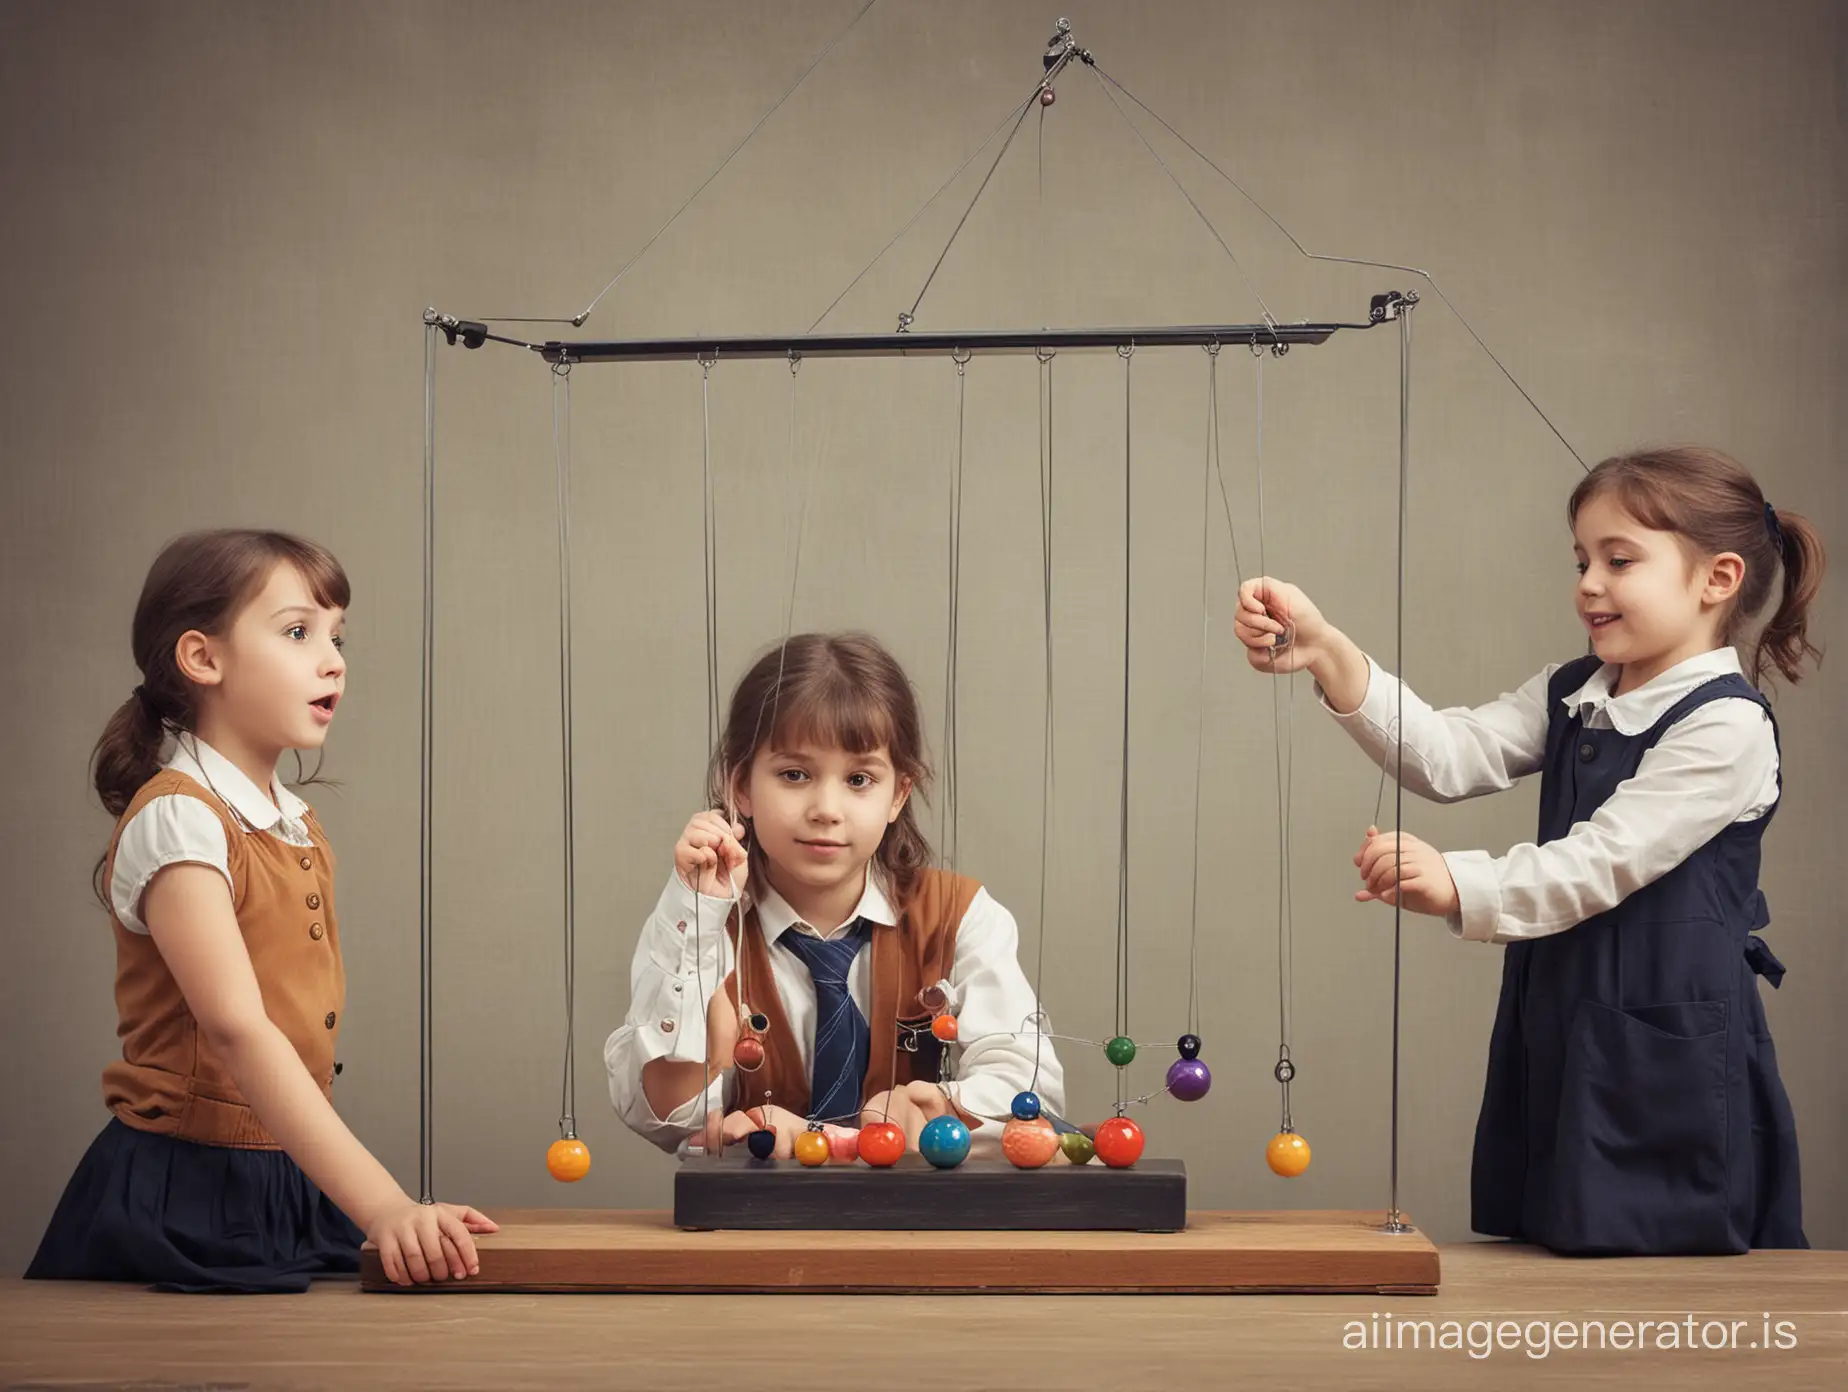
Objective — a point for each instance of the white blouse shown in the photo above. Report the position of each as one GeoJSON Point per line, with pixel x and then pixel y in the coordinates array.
{"type": "Point", "coordinates": [1717, 766]}
{"type": "Point", "coordinates": [684, 955]}
{"type": "Point", "coordinates": [175, 829]}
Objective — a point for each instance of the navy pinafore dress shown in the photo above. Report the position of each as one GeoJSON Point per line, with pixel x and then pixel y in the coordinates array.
{"type": "Point", "coordinates": [1633, 1104]}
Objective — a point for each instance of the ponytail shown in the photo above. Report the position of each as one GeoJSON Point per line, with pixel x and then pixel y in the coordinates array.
{"type": "Point", "coordinates": [1784, 642]}
{"type": "Point", "coordinates": [128, 753]}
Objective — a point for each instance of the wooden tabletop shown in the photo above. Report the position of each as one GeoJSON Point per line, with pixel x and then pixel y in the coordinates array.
{"type": "Point", "coordinates": [61, 1333]}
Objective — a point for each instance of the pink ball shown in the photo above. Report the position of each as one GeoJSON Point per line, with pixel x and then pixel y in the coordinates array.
{"type": "Point", "coordinates": [843, 1145]}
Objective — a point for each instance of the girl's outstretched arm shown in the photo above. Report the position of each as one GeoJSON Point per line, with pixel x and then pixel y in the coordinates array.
{"type": "Point", "coordinates": [188, 911]}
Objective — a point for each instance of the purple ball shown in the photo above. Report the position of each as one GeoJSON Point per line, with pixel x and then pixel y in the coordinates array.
{"type": "Point", "coordinates": [1188, 1079]}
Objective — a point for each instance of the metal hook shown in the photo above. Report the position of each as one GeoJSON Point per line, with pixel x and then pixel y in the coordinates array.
{"type": "Point", "coordinates": [1126, 351]}
{"type": "Point", "coordinates": [562, 366]}
{"type": "Point", "coordinates": [1045, 355]}
{"type": "Point", "coordinates": [795, 362]}
{"type": "Point", "coordinates": [904, 320]}
{"type": "Point", "coordinates": [1212, 349]}
{"type": "Point", "coordinates": [960, 356]}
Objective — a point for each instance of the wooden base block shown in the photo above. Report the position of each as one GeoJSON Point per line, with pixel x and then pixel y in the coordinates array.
{"type": "Point", "coordinates": [737, 1192]}
{"type": "Point", "coordinates": [564, 1250]}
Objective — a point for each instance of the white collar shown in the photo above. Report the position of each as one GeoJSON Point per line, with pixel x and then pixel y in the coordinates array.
{"type": "Point", "coordinates": [775, 917]}
{"type": "Point", "coordinates": [196, 759]}
{"type": "Point", "coordinates": [1637, 711]}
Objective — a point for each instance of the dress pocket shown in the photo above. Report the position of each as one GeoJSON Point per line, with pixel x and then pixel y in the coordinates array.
{"type": "Point", "coordinates": [1640, 1160]}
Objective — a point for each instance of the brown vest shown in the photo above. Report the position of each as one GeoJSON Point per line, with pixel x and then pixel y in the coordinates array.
{"type": "Point", "coordinates": [908, 959]}
{"type": "Point", "coordinates": [168, 1079]}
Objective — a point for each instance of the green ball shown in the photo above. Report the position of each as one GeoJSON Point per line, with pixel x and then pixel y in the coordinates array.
{"type": "Point", "coordinates": [1121, 1051]}
{"type": "Point", "coordinates": [1077, 1147]}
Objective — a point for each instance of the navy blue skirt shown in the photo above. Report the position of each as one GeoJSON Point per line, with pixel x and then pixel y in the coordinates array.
{"type": "Point", "coordinates": [181, 1216]}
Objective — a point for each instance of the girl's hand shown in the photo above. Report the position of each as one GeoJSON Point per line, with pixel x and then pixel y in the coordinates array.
{"type": "Point", "coordinates": [428, 1242]}
{"type": "Point", "coordinates": [909, 1105]}
{"type": "Point", "coordinates": [1281, 628]}
{"type": "Point", "coordinates": [735, 1127]}
{"type": "Point", "coordinates": [709, 851]}
{"type": "Point", "coordinates": [1397, 867]}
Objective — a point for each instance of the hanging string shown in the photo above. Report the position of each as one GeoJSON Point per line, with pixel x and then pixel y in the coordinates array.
{"type": "Point", "coordinates": [1394, 1222]}
{"type": "Point", "coordinates": [561, 456]}
{"type": "Point", "coordinates": [1284, 741]}
{"type": "Point", "coordinates": [1206, 513]}
{"type": "Point", "coordinates": [949, 835]}
{"type": "Point", "coordinates": [1046, 750]}
{"type": "Point", "coordinates": [710, 539]}
{"type": "Point", "coordinates": [1353, 261]}
{"type": "Point", "coordinates": [425, 805]}
{"type": "Point", "coordinates": [1122, 943]}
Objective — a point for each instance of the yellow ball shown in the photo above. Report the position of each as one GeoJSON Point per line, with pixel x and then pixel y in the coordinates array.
{"type": "Point", "coordinates": [812, 1148]}
{"type": "Point", "coordinates": [1287, 1154]}
{"type": "Point", "coordinates": [568, 1160]}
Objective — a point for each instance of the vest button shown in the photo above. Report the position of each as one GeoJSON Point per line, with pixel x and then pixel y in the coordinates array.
{"type": "Point", "coordinates": [681, 926]}
{"type": "Point", "coordinates": [667, 1027]}
{"type": "Point", "coordinates": [1587, 752]}
{"type": "Point", "coordinates": [316, 931]}
{"type": "Point", "coordinates": [329, 1021]}
{"type": "Point", "coordinates": [307, 864]}
{"type": "Point", "coordinates": [314, 901]}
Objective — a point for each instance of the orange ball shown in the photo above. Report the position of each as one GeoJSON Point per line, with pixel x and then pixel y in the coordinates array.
{"type": "Point", "coordinates": [881, 1143]}
{"type": "Point", "coordinates": [1029, 1144]}
{"type": "Point", "coordinates": [568, 1160]}
{"type": "Point", "coordinates": [944, 1027]}
{"type": "Point", "coordinates": [1287, 1154]}
{"type": "Point", "coordinates": [812, 1148]}
{"type": "Point", "coordinates": [1119, 1143]}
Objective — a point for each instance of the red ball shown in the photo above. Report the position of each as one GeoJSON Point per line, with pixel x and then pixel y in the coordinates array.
{"type": "Point", "coordinates": [749, 1053]}
{"type": "Point", "coordinates": [1048, 96]}
{"type": "Point", "coordinates": [881, 1143]}
{"type": "Point", "coordinates": [1119, 1143]}
{"type": "Point", "coordinates": [944, 1027]}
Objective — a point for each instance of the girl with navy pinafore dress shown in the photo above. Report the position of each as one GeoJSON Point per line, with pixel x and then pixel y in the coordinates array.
{"type": "Point", "coordinates": [224, 1166]}
{"type": "Point", "coordinates": [1633, 1103]}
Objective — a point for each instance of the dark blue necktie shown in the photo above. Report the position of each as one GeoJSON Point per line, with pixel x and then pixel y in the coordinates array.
{"type": "Point", "coordinates": [842, 1039]}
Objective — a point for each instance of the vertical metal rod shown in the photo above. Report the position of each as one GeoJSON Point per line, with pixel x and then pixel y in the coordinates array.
{"type": "Point", "coordinates": [425, 838]}
{"type": "Point", "coordinates": [1395, 1221]}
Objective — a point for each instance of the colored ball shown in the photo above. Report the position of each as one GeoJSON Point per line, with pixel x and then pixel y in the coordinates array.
{"type": "Point", "coordinates": [1026, 1106]}
{"type": "Point", "coordinates": [1029, 1144]}
{"type": "Point", "coordinates": [843, 1145]}
{"type": "Point", "coordinates": [944, 1027]}
{"type": "Point", "coordinates": [568, 1160]}
{"type": "Point", "coordinates": [1077, 1147]}
{"type": "Point", "coordinates": [881, 1143]}
{"type": "Point", "coordinates": [1121, 1051]}
{"type": "Point", "coordinates": [1287, 1154]}
{"type": "Point", "coordinates": [762, 1144]}
{"type": "Point", "coordinates": [1189, 1046]}
{"type": "Point", "coordinates": [1188, 1079]}
{"type": "Point", "coordinates": [1048, 96]}
{"type": "Point", "coordinates": [812, 1148]}
{"type": "Point", "coordinates": [944, 1142]}
{"type": "Point", "coordinates": [1119, 1143]}
{"type": "Point", "coordinates": [749, 1054]}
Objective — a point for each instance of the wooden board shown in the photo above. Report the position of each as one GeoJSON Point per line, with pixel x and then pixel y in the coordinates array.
{"type": "Point", "coordinates": [1323, 1252]}
{"type": "Point", "coordinates": [914, 1196]}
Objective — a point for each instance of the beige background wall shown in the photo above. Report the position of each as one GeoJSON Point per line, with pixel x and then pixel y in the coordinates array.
{"type": "Point", "coordinates": [223, 221]}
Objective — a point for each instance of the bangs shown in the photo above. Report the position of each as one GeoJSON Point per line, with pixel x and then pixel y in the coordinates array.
{"type": "Point", "coordinates": [320, 572]}
{"type": "Point", "coordinates": [832, 711]}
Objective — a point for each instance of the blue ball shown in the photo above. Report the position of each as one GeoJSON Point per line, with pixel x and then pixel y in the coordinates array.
{"type": "Point", "coordinates": [944, 1142]}
{"type": "Point", "coordinates": [762, 1144]}
{"type": "Point", "coordinates": [1026, 1106]}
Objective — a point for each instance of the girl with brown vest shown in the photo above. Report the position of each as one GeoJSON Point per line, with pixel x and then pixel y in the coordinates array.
{"type": "Point", "coordinates": [225, 1167]}
{"type": "Point", "coordinates": [842, 944]}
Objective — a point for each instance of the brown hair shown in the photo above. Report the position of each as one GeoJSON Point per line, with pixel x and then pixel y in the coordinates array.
{"type": "Point", "coordinates": [1710, 501]}
{"type": "Point", "coordinates": [200, 581]}
{"type": "Point", "coordinates": [843, 690]}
